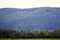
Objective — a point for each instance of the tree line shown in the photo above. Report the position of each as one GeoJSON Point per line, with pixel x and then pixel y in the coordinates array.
{"type": "Point", "coordinates": [29, 34]}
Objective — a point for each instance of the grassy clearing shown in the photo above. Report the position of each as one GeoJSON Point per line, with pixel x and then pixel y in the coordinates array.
{"type": "Point", "coordinates": [31, 39]}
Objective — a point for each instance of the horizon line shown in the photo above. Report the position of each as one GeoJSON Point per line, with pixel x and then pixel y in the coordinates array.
{"type": "Point", "coordinates": [28, 8]}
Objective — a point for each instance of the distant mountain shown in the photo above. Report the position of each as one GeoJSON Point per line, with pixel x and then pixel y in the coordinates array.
{"type": "Point", "coordinates": [43, 18]}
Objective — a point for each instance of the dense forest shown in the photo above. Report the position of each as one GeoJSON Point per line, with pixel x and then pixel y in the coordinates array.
{"type": "Point", "coordinates": [29, 34]}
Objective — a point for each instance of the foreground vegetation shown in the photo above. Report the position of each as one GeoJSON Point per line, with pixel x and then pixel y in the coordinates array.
{"type": "Point", "coordinates": [30, 39]}
{"type": "Point", "coordinates": [29, 34]}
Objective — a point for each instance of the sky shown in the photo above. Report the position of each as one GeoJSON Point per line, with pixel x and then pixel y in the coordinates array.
{"type": "Point", "coordinates": [29, 3]}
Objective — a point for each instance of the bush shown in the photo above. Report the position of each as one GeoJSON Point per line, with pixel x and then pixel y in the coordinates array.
{"type": "Point", "coordinates": [29, 34]}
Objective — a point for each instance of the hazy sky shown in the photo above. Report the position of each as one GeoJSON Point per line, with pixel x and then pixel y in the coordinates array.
{"type": "Point", "coordinates": [29, 3]}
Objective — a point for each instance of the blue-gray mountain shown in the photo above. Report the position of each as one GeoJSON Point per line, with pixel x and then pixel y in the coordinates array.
{"type": "Point", "coordinates": [44, 18]}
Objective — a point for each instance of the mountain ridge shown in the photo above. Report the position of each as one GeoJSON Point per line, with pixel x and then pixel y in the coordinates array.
{"type": "Point", "coordinates": [44, 18]}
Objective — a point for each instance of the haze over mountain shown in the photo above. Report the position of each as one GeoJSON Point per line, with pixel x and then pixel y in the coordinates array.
{"type": "Point", "coordinates": [43, 18]}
